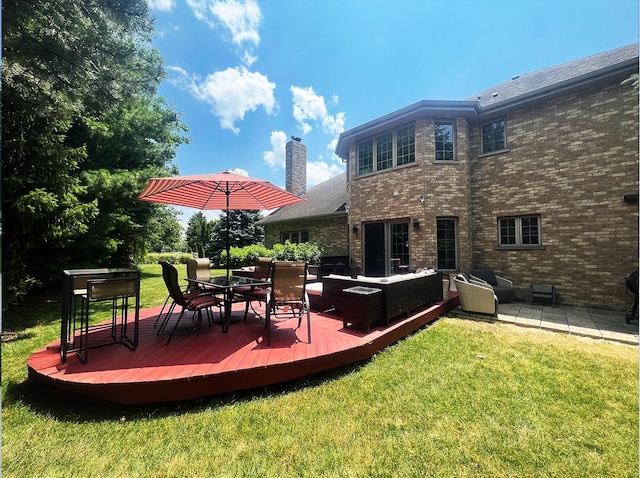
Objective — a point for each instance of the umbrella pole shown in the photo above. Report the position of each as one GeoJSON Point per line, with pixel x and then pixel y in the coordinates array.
{"type": "Point", "coordinates": [228, 246]}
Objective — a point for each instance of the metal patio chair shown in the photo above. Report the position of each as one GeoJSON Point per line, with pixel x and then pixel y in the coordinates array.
{"type": "Point", "coordinates": [193, 303]}
{"type": "Point", "coordinates": [287, 297]}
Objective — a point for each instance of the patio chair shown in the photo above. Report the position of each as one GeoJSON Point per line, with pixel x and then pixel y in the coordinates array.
{"type": "Point", "coordinates": [199, 269]}
{"type": "Point", "coordinates": [118, 291]}
{"type": "Point", "coordinates": [186, 300]}
{"type": "Point", "coordinates": [476, 297]}
{"type": "Point", "coordinates": [502, 287]}
{"type": "Point", "coordinates": [262, 271]}
{"type": "Point", "coordinates": [194, 270]}
{"type": "Point", "coordinates": [287, 297]}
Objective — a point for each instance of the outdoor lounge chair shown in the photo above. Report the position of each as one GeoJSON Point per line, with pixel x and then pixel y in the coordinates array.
{"type": "Point", "coordinates": [287, 297]}
{"type": "Point", "coordinates": [501, 286]}
{"type": "Point", "coordinates": [187, 300]}
{"type": "Point", "coordinates": [477, 297]}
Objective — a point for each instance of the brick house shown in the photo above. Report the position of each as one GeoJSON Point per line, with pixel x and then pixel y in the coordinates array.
{"type": "Point", "coordinates": [536, 178]}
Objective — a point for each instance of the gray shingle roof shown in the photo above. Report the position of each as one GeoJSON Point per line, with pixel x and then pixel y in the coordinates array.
{"type": "Point", "coordinates": [555, 78]}
{"type": "Point", "coordinates": [324, 199]}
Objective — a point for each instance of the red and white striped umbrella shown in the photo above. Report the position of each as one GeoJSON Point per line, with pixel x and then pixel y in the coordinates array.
{"type": "Point", "coordinates": [222, 191]}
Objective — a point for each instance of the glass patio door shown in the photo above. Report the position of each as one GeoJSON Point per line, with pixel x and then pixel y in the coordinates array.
{"type": "Point", "coordinates": [374, 250]}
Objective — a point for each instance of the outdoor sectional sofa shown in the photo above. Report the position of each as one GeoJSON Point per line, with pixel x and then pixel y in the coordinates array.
{"type": "Point", "coordinates": [401, 293]}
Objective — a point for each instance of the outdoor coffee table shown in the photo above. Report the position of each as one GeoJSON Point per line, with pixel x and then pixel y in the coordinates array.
{"type": "Point", "coordinates": [225, 285]}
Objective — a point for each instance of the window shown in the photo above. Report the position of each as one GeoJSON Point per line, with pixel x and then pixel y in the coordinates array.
{"type": "Point", "coordinates": [391, 149]}
{"type": "Point", "coordinates": [406, 145]}
{"type": "Point", "coordinates": [521, 231]}
{"type": "Point", "coordinates": [493, 136]}
{"type": "Point", "coordinates": [446, 244]}
{"type": "Point", "coordinates": [399, 245]}
{"type": "Point", "coordinates": [365, 157]}
{"type": "Point", "coordinates": [294, 237]}
{"type": "Point", "coordinates": [384, 151]}
{"type": "Point", "coordinates": [444, 140]}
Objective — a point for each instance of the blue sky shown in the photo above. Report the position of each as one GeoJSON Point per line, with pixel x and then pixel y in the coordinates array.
{"type": "Point", "coordinates": [247, 75]}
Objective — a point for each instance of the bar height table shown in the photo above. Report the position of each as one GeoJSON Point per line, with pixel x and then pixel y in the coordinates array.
{"type": "Point", "coordinates": [74, 286]}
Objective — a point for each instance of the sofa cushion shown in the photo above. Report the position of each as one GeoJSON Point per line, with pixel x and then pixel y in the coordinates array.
{"type": "Point", "coordinates": [486, 275]}
{"type": "Point", "coordinates": [315, 288]}
{"type": "Point", "coordinates": [504, 294]}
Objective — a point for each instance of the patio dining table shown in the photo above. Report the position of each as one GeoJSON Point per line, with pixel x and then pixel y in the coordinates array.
{"type": "Point", "coordinates": [226, 285]}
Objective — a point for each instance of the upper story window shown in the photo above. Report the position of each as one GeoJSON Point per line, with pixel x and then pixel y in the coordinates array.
{"type": "Point", "coordinates": [493, 136]}
{"type": "Point", "coordinates": [444, 141]}
{"type": "Point", "coordinates": [523, 231]}
{"type": "Point", "coordinates": [365, 157]}
{"type": "Point", "coordinates": [406, 145]}
{"type": "Point", "coordinates": [384, 151]}
{"type": "Point", "coordinates": [391, 149]}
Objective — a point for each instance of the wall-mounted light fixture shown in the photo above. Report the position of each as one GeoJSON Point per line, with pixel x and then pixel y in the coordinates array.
{"type": "Point", "coordinates": [355, 229]}
{"type": "Point", "coordinates": [416, 223]}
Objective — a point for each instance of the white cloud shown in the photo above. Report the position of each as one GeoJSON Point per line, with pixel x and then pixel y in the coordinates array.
{"type": "Point", "coordinates": [231, 92]}
{"type": "Point", "coordinates": [249, 59]}
{"type": "Point", "coordinates": [240, 18]}
{"type": "Point", "coordinates": [161, 5]}
{"type": "Point", "coordinates": [240, 172]}
{"type": "Point", "coordinates": [276, 158]}
{"type": "Point", "coordinates": [319, 171]}
{"type": "Point", "coordinates": [309, 107]}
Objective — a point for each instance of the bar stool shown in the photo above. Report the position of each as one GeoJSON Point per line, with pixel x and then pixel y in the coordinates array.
{"type": "Point", "coordinates": [118, 291]}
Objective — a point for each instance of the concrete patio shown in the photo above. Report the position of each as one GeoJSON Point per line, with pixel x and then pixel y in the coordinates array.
{"type": "Point", "coordinates": [587, 322]}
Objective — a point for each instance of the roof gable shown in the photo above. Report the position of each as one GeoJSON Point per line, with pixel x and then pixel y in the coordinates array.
{"type": "Point", "coordinates": [528, 86]}
{"type": "Point", "coordinates": [520, 88]}
{"type": "Point", "coordinates": [324, 199]}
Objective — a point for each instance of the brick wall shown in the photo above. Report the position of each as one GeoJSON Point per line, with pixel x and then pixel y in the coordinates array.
{"type": "Point", "coordinates": [570, 159]}
{"type": "Point", "coordinates": [296, 167]}
{"type": "Point", "coordinates": [331, 234]}
{"type": "Point", "coordinates": [395, 194]}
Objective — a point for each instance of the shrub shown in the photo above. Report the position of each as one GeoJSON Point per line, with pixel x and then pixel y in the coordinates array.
{"type": "Point", "coordinates": [246, 256]}
{"type": "Point", "coordinates": [170, 257]}
{"type": "Point", "coordinates": [305, 251]}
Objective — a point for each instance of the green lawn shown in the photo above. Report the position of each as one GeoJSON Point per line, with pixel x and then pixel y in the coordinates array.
{"type": "Point", "coordinates": [460, 398]}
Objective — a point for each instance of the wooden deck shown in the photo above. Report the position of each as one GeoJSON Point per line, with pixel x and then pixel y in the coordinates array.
{"type": "Point", "coordinates": [202, 361]}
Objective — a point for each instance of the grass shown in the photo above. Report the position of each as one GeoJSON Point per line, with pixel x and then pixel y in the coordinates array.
{"type": "Point", "coordinates": [460, 398]}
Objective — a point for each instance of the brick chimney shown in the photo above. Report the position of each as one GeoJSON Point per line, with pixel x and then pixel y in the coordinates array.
{"type": "Point", "coordinates": [296, 163]}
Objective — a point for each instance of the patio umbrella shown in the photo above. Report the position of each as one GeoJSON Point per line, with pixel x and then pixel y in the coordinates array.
{"type": "Point", "coordinates": [222, 191]}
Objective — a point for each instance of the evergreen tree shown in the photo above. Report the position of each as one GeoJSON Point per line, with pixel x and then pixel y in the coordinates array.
{"type": "Point", "coordinates": [243, 231]}
{"type": "Point", "coordinates": [198, 232]}
{"type": "Point", "coordinates": [81, 131]}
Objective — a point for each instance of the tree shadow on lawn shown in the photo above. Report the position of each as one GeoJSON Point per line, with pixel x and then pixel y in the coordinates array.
{"type": "Point", "coordinates": [68, 407]}
{"type": "Point", "coordinates": [42, 306]}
